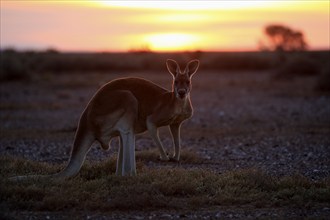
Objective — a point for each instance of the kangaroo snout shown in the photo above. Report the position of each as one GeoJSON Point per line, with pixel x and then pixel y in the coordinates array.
{"type": "Point", "coordinates": [182, 93]}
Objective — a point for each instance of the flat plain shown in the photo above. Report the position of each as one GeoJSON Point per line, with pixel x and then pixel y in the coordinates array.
{"type": "Point", "coordinates": [245, 123]}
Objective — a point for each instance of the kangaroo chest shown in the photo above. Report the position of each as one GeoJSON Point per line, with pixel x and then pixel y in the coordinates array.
{"type": "Point", "coordinates": [179, 114]}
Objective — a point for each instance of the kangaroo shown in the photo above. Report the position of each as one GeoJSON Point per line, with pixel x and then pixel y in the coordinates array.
{"type": "Point", "coordinates": [128, 106]}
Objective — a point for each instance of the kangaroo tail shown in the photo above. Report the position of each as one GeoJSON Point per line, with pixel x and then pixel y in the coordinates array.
{"type": "Point", "coordinates": [82, 144]}
{"type": "Point", "coordinates": [84, 139]}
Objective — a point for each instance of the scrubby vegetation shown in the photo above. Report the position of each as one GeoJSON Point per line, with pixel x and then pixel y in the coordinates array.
{"type": "Point", "coordinates": [299, 64]}
{"type": "Point", "coordinates": [97, 188]}
{"type": "Point", "coordinates": [28, 64]}
{"type": "Point", "coordinates": [323, 83]}
{"type": "Point", "coordinates": [13, 66]}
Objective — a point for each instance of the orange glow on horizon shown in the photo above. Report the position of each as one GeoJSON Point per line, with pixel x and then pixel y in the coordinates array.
{"type": "Point", "coordinates": [104, 25]}
{"type": "Point", "coordinates": [170, 41]}
{"type": "Point", "coordinates": [185, 5]}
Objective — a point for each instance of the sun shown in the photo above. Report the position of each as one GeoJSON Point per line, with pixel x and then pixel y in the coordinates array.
{"type": "Point", "coordinates": [171, 41]}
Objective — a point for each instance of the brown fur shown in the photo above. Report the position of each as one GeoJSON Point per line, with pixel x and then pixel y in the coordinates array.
{"type": "Point", "coordinates": [129, 106]}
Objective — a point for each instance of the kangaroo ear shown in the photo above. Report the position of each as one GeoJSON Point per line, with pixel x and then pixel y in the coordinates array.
{"type": "Point", "coordinates": [172, 67]}
{"type": "Point", "coordinates": [192, 67]}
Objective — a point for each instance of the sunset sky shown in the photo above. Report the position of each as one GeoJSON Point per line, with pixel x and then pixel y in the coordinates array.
{"type": "Point", "coordinates": [158, 25]}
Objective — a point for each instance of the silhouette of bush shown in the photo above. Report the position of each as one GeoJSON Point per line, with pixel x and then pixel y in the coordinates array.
{"type": "Point", "coordinates": [284, 38]}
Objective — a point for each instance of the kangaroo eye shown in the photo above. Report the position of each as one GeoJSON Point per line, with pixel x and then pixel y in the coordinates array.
{"type": "Point", "coordinates": [188, 81]}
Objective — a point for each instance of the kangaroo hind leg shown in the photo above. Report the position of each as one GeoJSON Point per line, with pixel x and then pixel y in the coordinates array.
{"type": "Point", "coordinates": [126, 164]}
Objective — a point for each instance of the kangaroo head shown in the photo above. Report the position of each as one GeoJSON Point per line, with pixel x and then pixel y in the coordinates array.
{"type": "Point", "coordinates": [182, 80]}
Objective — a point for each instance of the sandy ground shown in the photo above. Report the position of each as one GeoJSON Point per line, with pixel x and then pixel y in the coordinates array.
{"type": "Point", "coordinates": [241, 120]}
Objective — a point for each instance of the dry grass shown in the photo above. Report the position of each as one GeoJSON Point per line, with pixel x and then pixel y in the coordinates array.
{"type": "Point", "coordinates": [152, 155]}
{"type": "Point", "coordinates": [97, 188]}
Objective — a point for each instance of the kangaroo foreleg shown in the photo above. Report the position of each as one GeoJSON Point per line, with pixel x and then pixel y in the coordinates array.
{"type": "Point", "coordinates": [153, 131]}
{"type": "Point", "coordinates": [175, 131]}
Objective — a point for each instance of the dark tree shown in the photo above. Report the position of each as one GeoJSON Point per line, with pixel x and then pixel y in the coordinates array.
{"type": "Point", "coordinates": [283, 38]}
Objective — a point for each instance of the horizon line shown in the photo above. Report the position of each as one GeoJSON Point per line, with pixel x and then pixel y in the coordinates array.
{"type": "Point", "coordinates": [55, 50]}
